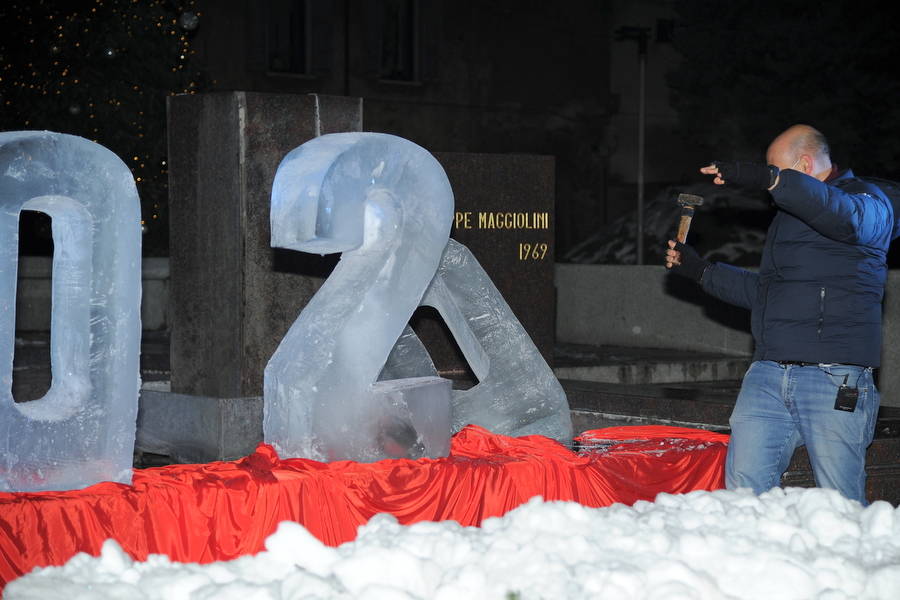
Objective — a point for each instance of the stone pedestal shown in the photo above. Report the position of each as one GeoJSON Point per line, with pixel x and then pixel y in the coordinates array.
{"type": "Point", "coordinates": [198, 429]}
{"type": "Point", "coordinates": [233, 296]}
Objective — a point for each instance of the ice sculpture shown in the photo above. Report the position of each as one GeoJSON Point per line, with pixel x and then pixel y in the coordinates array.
{"type": "Point", "coordinates": [386, 204]}
{"type": "Point", "coordinates": [82, 431]}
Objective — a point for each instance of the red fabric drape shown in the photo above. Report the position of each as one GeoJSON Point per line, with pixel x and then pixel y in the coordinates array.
{"type": "Point", "coordinates": [222, 510]}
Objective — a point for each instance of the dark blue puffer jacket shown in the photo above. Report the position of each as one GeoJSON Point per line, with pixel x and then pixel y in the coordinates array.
{"type": "Point", "coordinates": [817, 296]}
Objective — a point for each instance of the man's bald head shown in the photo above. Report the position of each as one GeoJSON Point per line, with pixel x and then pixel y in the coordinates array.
{"type": "Point", "coordinates": [802, 148]}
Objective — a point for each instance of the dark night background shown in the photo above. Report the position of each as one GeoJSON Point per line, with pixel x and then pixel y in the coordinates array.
{"type": "Point", "coordinates": [514, 76]}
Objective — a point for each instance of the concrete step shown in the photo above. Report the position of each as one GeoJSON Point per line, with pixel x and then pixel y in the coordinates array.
{"type": "Point", "coordinates": [638, 366]}
{"type": "Point", "coordinates": [704, 405]}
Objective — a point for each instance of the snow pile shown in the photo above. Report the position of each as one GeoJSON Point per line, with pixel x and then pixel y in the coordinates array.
{"type": "Point", "coordinates": [784, 544]}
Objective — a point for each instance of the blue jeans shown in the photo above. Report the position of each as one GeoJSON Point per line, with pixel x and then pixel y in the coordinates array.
{"type": "Point", "coordinates": [781, 407]}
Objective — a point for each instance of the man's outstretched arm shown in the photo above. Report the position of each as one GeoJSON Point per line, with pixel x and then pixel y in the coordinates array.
{"type": "Point", "coordinates": [861, 215]}
{"type": "Point", "coordinates": [727, 283]}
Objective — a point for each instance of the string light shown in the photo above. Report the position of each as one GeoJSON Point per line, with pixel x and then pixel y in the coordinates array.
{"type": "Point", "coordinates": [102, 70]}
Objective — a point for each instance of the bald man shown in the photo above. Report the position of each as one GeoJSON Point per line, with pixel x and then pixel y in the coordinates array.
{"type": "Point", "coordinates": [815, 313]}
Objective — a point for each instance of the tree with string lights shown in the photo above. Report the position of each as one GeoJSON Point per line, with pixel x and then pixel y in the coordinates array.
{"type": "Point", "coordinates": [100, 69]}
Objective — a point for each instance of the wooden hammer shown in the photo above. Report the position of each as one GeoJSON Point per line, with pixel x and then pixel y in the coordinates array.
{"type": "Point", "coordinates": [687, 202]}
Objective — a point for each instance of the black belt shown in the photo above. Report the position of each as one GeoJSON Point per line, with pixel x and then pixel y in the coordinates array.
{"type": "Point", "coordinates": [800, 363]}
{"type": "Point", "coordinates": [796, 363]}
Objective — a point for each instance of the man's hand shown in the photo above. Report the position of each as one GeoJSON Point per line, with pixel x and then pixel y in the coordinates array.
{"type": "Point", "coordinates": [742, 174]}
{"type": "Point", "coordinates": [684, 261]}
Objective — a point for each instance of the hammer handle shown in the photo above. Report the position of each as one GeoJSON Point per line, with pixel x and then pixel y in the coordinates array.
{"type": "Point", "coordinates": [684, 224]}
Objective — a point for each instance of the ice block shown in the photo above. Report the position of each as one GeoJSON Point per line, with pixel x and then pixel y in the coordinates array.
{"type": "Point", "coordinates": [82, 431]}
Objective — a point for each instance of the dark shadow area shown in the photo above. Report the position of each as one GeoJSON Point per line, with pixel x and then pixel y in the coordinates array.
{"type": "Point", "coordinates": [303, 263]}
{"type": "Point", "coordinates": [35, 233]}
{"type": "Point", "coordinates": [31, 376]}
{"type": "Point", "coordinates": [893, 256]}
{"type": "Point", "coordinates": [150, 460]}
{"type": "Point", "coordinates": [440, 344]}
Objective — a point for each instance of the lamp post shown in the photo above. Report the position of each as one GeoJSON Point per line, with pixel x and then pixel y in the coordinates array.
{"type": "Point", "coordinates": [641, 35]}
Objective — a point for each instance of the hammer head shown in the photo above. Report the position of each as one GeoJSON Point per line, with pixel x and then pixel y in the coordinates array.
{"type": "Point", "coordinates": [689, 200]}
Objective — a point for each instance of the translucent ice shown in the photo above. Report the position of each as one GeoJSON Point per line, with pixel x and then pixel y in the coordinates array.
{"type": "Point", "coordinates": [517, 392]}
{"type": "Point", "coordinates": [82, 431]}
{"type": "Point", "coordinates": [386, 204]}
{"type": "Point", "coordinates": [413, 417]}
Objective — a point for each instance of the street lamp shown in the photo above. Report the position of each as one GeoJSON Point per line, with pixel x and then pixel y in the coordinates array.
{"type": "Point", "coordinates": [641, 35]}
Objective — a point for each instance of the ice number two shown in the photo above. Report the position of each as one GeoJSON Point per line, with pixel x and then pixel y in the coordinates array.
{"type": "Point", "coordinates": [386, 205]}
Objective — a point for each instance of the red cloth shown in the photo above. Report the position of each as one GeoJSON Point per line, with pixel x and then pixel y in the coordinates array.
{"type": "Point", "coordinates": [222, 510]}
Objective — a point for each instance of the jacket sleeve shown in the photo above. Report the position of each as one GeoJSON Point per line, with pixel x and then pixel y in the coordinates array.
{"type": "Point", "coordinates": [731, 284]}
{"type": "Point", "coordinates": [858, 214]}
